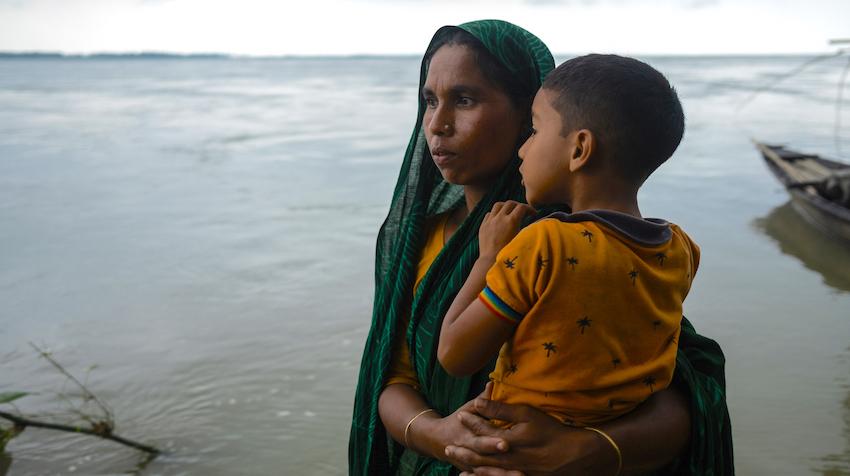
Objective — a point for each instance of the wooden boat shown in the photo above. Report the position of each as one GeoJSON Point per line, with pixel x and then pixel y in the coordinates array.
{"type": "Point", "coordinates": [819, 188]}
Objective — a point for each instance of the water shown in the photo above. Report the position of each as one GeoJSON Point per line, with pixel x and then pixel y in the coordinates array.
{"type": "Point", "coordinates": [203, 232]}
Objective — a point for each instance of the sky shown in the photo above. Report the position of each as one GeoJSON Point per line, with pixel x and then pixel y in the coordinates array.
{"type": "Point", "coordinates": [347, 27]}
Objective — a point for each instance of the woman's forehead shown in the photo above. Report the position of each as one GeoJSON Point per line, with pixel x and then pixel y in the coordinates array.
{"type": "Point", "coordinates": [454, 65]}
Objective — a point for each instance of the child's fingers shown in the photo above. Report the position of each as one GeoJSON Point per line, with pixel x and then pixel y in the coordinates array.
{"type": "Point", "coordinates": [521, 209]}
{"type": "Point", "coordinates": [509, 207]}
{"type": "Point", "coordinates": [497, 207]}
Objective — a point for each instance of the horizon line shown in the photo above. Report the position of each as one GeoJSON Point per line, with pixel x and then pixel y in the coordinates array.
{"type": "Point", "coordinates": [154, 54]}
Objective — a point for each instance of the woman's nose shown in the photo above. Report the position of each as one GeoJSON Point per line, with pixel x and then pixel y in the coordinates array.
{"type": "Point", "coordinates": [442, 122]}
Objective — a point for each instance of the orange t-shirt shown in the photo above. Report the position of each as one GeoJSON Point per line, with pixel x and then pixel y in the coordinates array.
{"type": "Point", "coordinates": [597, 302]}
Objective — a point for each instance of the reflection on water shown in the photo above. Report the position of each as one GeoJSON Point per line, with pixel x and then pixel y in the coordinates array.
{"type": "Point", "coordinates": [823, 254]}
{"type": "Point", "coordinates": [838, 464]}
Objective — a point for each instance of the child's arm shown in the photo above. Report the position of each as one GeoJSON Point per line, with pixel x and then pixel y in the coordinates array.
{"type": "Point", "coordinates": [472, 333]}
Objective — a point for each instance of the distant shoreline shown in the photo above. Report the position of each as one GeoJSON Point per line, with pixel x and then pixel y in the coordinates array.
{"type": "Point", "coordinates": [200, 56]}
{"type": "Point", "coordinates": [46, 55]}
{"type": "Point", "coordinates": [147, 55]}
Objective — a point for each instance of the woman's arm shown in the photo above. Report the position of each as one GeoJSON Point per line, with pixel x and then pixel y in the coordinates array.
{"type": "Point", "coordinates": [649, 437]}
{"type": "Point", "coordinates": [431, 433]}
{"type": "Point", "coordinates": [654, 434]}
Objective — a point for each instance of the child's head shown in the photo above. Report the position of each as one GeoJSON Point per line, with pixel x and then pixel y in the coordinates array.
{"type": "Point", "coordinates": [607, 114]}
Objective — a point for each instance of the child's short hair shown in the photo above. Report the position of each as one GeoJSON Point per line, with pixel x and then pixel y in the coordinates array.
{"type": "Point", "coordinates": [629, 106]}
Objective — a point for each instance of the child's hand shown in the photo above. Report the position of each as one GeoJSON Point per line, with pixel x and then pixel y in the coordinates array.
{"type": "Point", "coordinates": [500, 226]}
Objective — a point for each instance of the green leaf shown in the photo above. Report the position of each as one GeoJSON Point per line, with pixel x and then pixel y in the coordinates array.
{"type": "Point", "coordinates": [6, 397]}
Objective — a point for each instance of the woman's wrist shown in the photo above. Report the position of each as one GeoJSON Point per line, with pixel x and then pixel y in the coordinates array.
{"type": "Point", "coordinates": [423, 436]}
{"type": "Point", "coordinates": [586, 450]}
{"type": "Point", "coordinates": [605, 449]}
{"type": "Point", "coordinates": [410, 424]}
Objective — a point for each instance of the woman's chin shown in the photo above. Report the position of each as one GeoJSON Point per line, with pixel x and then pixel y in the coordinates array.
{"type": "Point", "coordinates": [467, 178]}
{"type": "Point", "coordinates": [452, 176]}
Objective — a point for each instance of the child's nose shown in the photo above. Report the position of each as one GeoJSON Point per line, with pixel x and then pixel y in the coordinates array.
{"type": "Point", "coordinates": [522, 150]}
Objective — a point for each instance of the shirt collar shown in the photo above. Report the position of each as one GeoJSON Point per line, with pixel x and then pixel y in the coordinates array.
{"type": "Point", "coordinates": [645, 231]}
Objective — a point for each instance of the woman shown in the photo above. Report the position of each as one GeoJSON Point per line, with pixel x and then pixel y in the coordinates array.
{"type": "Point", "coordinates": [477, 83]}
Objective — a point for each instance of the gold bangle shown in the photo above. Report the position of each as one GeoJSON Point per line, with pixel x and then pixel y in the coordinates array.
{"type": "Point", "coordinates": [407, 428]}
{"type": "Point", "coordinates": [616, 448]}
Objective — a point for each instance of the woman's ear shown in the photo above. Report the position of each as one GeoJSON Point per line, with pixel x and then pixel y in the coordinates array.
{"type": "Point", "coordinates": [583, 145]}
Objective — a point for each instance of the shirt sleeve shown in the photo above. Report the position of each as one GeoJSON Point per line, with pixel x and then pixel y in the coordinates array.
{"type": "Point", "coordinates": [695, 254]}
{"type": "Point", "coordinates": [514, 282]}
{"type": "Point", "coordinates": [401, 369]}
{"type": "Point", "coordinates": [693, 251]}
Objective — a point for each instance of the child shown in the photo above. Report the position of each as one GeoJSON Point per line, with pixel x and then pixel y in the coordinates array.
{"type": "Point", "coordinates": [586, 307]}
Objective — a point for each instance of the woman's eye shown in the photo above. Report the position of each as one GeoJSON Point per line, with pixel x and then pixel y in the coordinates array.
{"type": "Point", "coordinates": [431, 102]}
{"type": "Point", "coordinates": [533, 131]}
{"type": "Point", "coordinates": [464, 101]}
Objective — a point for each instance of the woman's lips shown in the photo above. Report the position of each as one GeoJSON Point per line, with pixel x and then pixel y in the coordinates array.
{"type": "Point", "coordinates": [442, 156]}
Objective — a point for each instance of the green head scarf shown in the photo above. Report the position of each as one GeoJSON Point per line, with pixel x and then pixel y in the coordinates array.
{"type": "Point", "coordinates": [421, 192]}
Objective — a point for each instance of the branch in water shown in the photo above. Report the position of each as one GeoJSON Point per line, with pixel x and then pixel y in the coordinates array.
{"type": "Point", "coordinates": [100, 429]}
{"type": "Point", "coordinates": [87, 395]}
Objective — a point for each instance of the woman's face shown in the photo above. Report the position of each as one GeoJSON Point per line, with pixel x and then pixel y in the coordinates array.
{"type": "Point", "coordinates": [470, 124]}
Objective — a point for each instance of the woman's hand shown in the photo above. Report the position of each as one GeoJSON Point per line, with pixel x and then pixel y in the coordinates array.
{"type": "Point", "coordinates": [538, 444]}
{"type": "Point", "coordinates": [649, 437]}
{"type": "Point", "coordinates": [500, 226]}
{"type": "Point", "coordinates": [435, 434]}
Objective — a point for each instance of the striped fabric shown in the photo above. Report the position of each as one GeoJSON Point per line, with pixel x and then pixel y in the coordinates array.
{"type": "Point", "coordinates": [500, 308]}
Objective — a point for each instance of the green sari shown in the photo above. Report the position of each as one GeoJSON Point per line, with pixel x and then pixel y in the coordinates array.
{"type": "Point", "coordinates": [421, 192]}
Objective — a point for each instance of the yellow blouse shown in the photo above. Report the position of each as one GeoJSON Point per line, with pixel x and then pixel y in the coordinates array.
{"type": "Point", "coordinates": [401, 369]}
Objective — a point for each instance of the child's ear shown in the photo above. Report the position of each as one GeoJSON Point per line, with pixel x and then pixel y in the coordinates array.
{"type": "Point", "coordinates": [583, 144]}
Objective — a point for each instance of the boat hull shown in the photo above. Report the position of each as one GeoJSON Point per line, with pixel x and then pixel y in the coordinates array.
{"type": "Point", "coordinates": [822, 217]}
{"type": "Point", "coordinates": [830, 217]}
